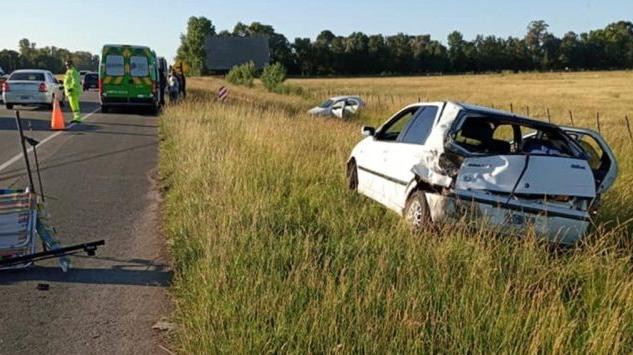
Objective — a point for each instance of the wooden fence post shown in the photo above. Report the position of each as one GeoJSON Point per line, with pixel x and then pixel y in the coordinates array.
{"type": "Point", "coordinates": [549, 118]}
{"type": "Point", "coordinates": [598, 122]}
{"type": "Point", "coordinates": [511, 108]}
{"type": "Point", "coordinates": [527, 110]}
{"type": "Point", "coordinates": [571, 117]}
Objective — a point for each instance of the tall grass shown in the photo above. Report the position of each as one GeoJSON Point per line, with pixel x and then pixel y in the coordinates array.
{"type": "Point", "coordinates": [273, 254]}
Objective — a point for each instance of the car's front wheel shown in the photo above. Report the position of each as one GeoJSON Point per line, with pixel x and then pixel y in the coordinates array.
{"type": "Point", "coordinates": [352, 176]}
{"type": "Point", "coordinates": [416, 212]}
{"type": "Point", "coordinates": [9, 106]}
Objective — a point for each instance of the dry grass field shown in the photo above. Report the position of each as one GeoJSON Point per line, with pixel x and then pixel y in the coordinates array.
{"type": "Point", "coordinates": [273, 254]}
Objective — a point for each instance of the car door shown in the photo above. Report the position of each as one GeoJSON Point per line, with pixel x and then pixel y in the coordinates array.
{"type": "Point", "coordinates": [352, 105]}
{"type": "Point", "coordinates": [372, 163]}
{"type": "Point", "coordinates": [408, 151]}
{"type": "Point", "coordinates": [599, 155]}
{"type": "Point", "coordinates": [338, 108]}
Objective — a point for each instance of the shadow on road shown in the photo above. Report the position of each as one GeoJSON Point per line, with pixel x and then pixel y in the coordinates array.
{"type": "Point", "coordinates": [95, 128]}
{"type": "Point", "coordinates": [132, 272]}
{"type": "Point", "coordinates": [7, 121]}
{"type": "Point", "coordinates": [73, 159]}
{"type": "Point", "coordinates": [8, 124]}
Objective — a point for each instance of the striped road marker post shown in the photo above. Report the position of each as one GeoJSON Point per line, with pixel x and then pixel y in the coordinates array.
{"type": "Point", "coordinates": [223, 93]}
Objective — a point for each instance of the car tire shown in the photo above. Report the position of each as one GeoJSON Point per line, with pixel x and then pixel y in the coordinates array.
{"type": "Point", "coordinates": [352, 175]}
{"type": "Point", "coordinates": [9, 106]}
{"type": "Point", "coordinates": [104, 109]}
{"type": "Point", "coordinates": [417, 213]}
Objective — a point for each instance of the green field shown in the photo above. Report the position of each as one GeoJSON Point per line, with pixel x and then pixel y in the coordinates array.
{"type": "Point", "coordinates": [273, 254]}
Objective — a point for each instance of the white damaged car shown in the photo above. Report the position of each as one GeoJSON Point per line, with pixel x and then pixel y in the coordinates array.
{"type": "Point", "coordinates": [338, 106]}
{"type": "Point", "coordinates": [438, 162]}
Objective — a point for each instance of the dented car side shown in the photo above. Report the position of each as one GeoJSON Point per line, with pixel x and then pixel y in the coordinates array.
{"type": "Point", "coordinates": [509, 172]}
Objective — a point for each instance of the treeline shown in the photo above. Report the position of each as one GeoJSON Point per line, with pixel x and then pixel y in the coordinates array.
{"type": "Point", "coordinates": [50, 58]}
{"type": "Point", "coordinates": [361, 54]}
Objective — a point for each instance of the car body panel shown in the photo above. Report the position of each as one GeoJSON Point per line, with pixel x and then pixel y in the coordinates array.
{"type": "Point", "coordinates": [505, 174]}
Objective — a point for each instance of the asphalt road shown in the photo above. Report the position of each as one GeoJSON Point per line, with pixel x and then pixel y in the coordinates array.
{"type": "Point", "coordinates": [99, 180]}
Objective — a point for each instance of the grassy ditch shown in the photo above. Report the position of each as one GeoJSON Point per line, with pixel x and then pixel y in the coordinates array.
{"type": "Point", "coordinates": [273, 254]}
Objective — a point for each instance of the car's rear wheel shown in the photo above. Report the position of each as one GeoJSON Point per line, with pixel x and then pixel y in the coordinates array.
{"type": "Point", "coordinates": [352, 175]}
{"type": "Point", "coordinates": [417, 213]}
{"type": "Point", "coordinates": [104, 109]}
{"type": "Point", "coordinates": [9, 106]}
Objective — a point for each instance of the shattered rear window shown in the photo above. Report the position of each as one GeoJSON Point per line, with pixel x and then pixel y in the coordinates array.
{"type": "Point", "coordinates": [503, 136]}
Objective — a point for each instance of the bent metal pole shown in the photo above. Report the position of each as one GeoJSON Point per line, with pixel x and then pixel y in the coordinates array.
{"type": "Point", "coordinates": [18, 122]}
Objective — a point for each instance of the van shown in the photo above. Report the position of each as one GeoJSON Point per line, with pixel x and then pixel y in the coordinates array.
{"type": "Point", "coordinates": [128, 77]}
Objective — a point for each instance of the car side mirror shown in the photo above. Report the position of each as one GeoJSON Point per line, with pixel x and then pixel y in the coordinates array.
{"type": "Point", "coordinates": [368, 131]}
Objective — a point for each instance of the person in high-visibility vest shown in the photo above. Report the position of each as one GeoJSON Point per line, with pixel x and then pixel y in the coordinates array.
{"type": "Point", "coordinates": [72, 88]}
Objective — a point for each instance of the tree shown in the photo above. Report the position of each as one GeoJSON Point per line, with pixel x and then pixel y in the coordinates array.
{"type": "Point", "coordinates": [304, 55]}
{"type": "Point", "coordinates": [192, 50]}
{"type": "Point", "coordinates": [456, 52]}
{"type": "Point", "coordinates": [9, 60]}
{"type": "Point", "coordinates": [537, 31]}
{"type": "Point", "coordinates": [570, 52]}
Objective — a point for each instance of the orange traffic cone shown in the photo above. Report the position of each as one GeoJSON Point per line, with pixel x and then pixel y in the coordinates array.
{"type": "Point", "coordinates": [57, 118]}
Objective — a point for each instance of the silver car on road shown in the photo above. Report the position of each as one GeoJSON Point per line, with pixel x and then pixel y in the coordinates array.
{"type": "Point", "coordinates": [32, 87]}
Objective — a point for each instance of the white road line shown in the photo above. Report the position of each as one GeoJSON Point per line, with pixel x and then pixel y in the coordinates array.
{"type": "Point", "coordinates": [9, 162]}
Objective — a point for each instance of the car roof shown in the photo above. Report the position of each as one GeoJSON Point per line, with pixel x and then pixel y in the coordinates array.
{"type": "Point", "coordinates": [133, 46]}
{"type": "Point", "coordinates": [41, 71]}
{"type": "Point", "coordinates": [336, 98]}
{"type": "Point", "coordinates": [508, 115]}
{"type": "Point", "coordinates": [488, 111]}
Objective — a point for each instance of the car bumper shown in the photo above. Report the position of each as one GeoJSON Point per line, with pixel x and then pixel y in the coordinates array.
{"type": "Point", "coordinates": [124, 101]}
{"type": "Point", "coordinates": [549, 225]}
{"type": "Point", "coordinates": [26, 98]}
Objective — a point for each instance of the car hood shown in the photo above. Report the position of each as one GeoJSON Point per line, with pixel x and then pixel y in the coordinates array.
{"type": "Point", "coordinates": [319, 111]}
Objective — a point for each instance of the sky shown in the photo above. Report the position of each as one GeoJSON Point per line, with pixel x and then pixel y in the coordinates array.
{"type": "Point", "coordinates": [88, 25]}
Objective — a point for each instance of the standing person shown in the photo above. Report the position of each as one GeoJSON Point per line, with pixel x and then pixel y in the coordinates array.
{"type": "Point", "coordinates": [183, 81]}
{"type": "Point", "coordinates": [173, 86]}
{"type": "Point", "coordinates": [162, 80]}
{"type": "Point", "coordinates": [72, 88]}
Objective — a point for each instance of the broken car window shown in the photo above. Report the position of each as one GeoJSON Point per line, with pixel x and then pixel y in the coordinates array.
{"type": "Point", "coordinates": [502, 136]}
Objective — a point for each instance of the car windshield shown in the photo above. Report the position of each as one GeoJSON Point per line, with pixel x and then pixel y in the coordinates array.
{"type": "Point", "coordinates": [27, 76]}
{"type": "Point", "coordinates": [326, 103]}
{"type": "Point", "coordinates": [91, 77]}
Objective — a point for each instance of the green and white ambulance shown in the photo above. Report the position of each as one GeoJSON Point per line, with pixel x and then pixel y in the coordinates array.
{"type": "Point", "coordinates": [128, 77]}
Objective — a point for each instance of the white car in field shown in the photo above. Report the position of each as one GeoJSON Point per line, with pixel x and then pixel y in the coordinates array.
{"type": "Point", "coordinates": [339, 106]}
{"type": "Point", "coordinates": [32, 87]}
{"type": "Point", "coordinates": [442, 161]}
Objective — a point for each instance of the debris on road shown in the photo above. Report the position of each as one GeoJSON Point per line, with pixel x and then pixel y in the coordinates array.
{"type": "Point", "coordinates": [164, 326]}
